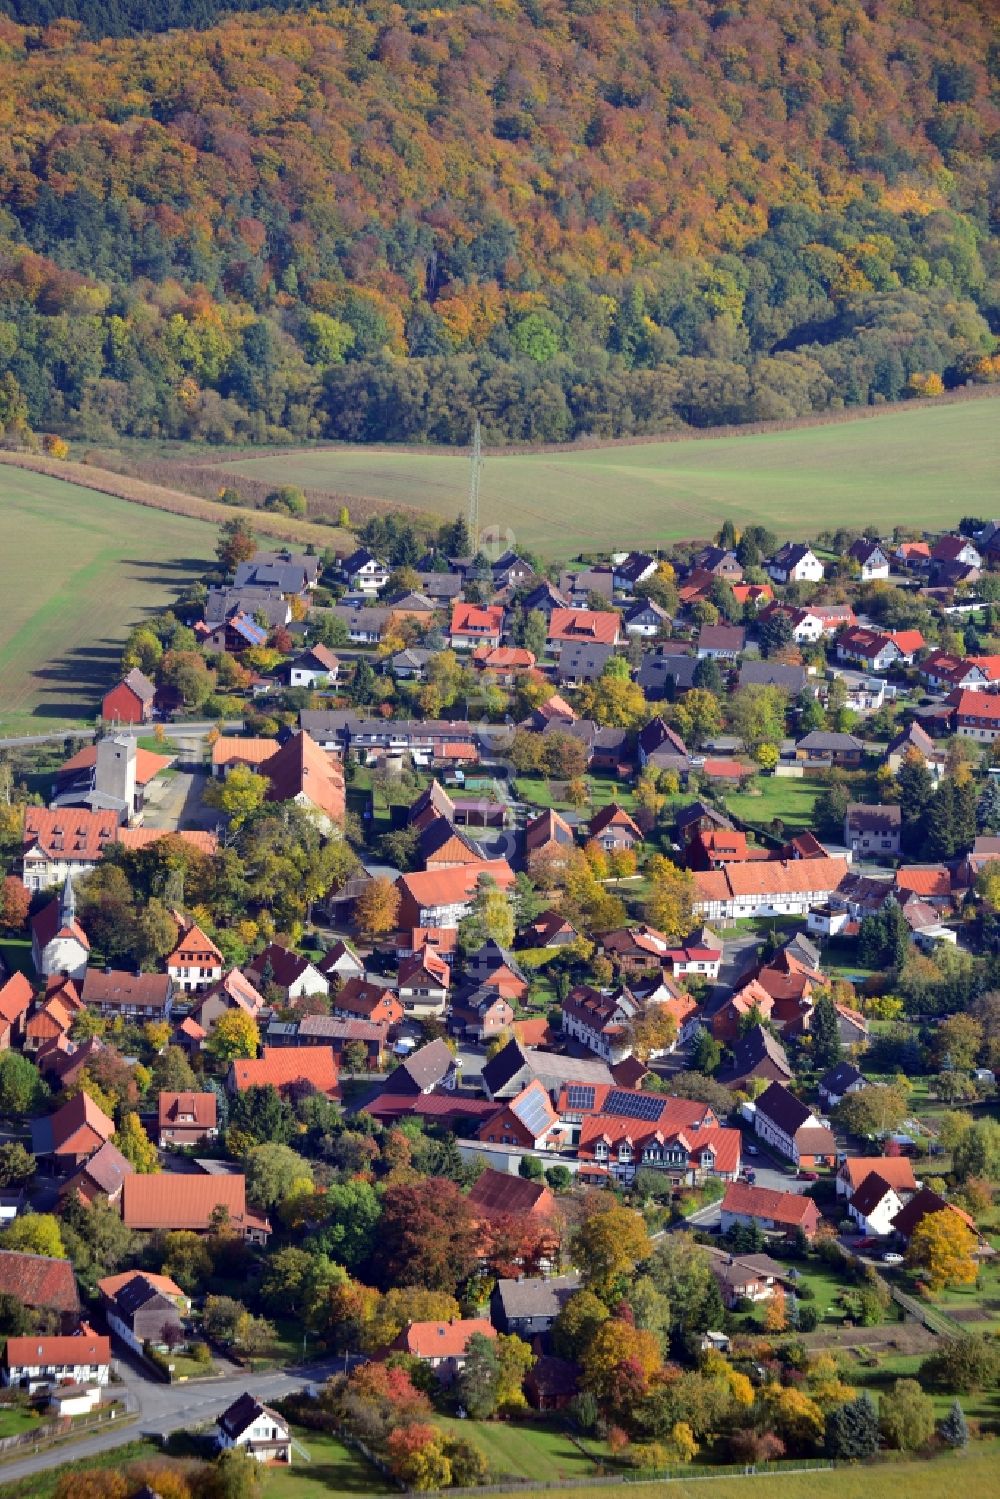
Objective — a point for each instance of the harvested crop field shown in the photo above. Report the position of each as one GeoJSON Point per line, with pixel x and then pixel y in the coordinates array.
{"type": "Point", "coordinates": [77, 570]}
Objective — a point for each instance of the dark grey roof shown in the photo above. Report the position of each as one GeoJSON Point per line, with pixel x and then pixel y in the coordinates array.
{"type": "Point", "coordinates": [243, 1412]}
{"type": "Point", "coordinates": [580, 659]}
{"type": "Point", "coordinates": [751, 1050]}
{"type": "Point", "coordinates": [428, 1066]}
{"type": "Point", "coordinates": [536, 1297]}
{"type": "Point", "coordinates": [655, 670]}
{"type": "Point", "coordinates": [823, 739]}
{"type": "Point", "coordinates": [840, 1078]}
{"type": "Point", "coordinates": [875, 817]}
{"type": "Point", "coordinates": [791, 679]}
{"type": "Point", "coordinates": [722, 638]}
{"type": "Point", "coordinates": [787, 1111]}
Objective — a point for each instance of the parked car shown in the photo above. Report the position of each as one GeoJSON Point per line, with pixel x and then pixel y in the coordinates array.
{"type": "Point", "coordinates": [808, 1176]}
{"type": "Point", "coordinates": [752, 1150]}
{"type": "Point", "coordinates": [892, 1258]}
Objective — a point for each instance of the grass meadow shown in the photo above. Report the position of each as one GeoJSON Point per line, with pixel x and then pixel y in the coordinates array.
{"type": "Point", "coordinates": [916, 466]}
{"type": "Point", "coordinates": [77, 570]}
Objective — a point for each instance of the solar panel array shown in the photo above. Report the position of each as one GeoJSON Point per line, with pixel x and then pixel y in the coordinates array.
{"type": "Point", "coordinates": [633, 1105]}
{"type": "Point", "coordinates": [532, 1110]}
{"type": "Point", "coordinates": [580, 1096]}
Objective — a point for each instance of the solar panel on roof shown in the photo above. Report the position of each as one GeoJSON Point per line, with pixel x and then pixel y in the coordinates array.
{"type": "Point", "coordinates": [578, 1096]}
{"type": "Point", "coordinates": [633, 1105]}
{"type": "Point", "coordinates": [532, 1111]}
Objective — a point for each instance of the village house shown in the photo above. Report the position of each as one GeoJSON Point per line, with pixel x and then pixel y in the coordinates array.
{"type": "Point", "coordinates": [614, 829]}
{"type": "Point", "coordinates": [976, 715]}
{"type": "Point", "coordinates": [873, 831]}
{"type": "Point", "coordinates": [63, 843]}
{"type": "Point", "coordinates": [782, 1121]}
{"type": "Point", "coordinates": [945, 673]}
{"type": "Point", "coordinates": [745, 1277]}
{"type": "Point", "coordinates": [600, 1022]}
{"type": "Point", "coordinates": [916, 1209]}
{"type": "Point", "coordinates": [186, 1118]}
{"type": "Point", "coordinates": [256, 1429]}
{"type": "Point", "coordinates": [288, 971]}
{"type": "Point", "coordinates": [64, 1140]}
{"type": "Point", "coordinates": [951, 549]}
{"type": "Point", "coordinates": [824, 747]}
{"type": "Point", "coordinates": [776, 887]}
{"type": "Point", "coordinates": [718, 562]}
{"type": "Point", "coordinates": [101, 1177]}
{"type": "Point", "coordinates": [233, 991]}
{"type": "Point", "coordinates": [130, 701]}
{"type": "Point", "coordinates": [16, 998]}
{"type": "Point", "coordinates": [172, 1201]}
{"type": "Point", "coordinates": [286, 1068]}
{"type": "Point", "coordinates": [795, 563]}
{"type": "Point", "coordinates": [325, 1030]}
{"type": "Point", "coordinates": [527, 1308]}
{"type": "Point", "coordinates": [41, 1283]}
{"type": "Point", "coordinates": [836, 1083]}
{"type": "Point", "coordinates": [378, 1004]}
{"type": "Point", "coordinates": [877, 650]}
{"type": "Point", "coordinates": [645, 618]}
{"type": "Point", "coordinates": [480, 1014]}
{"type": "Point", "coordinates": [195, 963]}
{"type": "Point", "coordinates": [527, 1120]}
{"type": "Point", "coordinates": [142, 1308]}
{"type": "Point", "coordinates": [756, 1055]}
{"type": "Point", "coordinates": [132, 996]}
{"type": "Point", "coordinates": [364, 572]}
{"type": "Point", "coordinates": [631, 570]}
{"type": "Point", "coordinates": [473, 625]}
{"type": "Point", "coordinates": [285, 571]}
{"type": "Point", "coordinates": [897, 1170]}
{"type": "Point", "coordinates": [301, 772]}
{"type": "Point", "coordinates": [591, 626]}
{"type": "Point", "coordinates": [507, 1073]}
{"type": "Point", "coordinates": [874, 1206]}
{"type": "Point", "coordinates": [781, 1213]}
{"type": "Point", "coordinates": [317, 666]}
{"type": "Point", "coordinates": [440, 898]}
{"type": "Point", "coordinates": [624, 1129]}
{"type": "Point", "coordinates": [423, 981]}
{"type": "Point", "coordinates": [443, 1345]}
{"type": "Point", "coordinates": [720, 642]}
{"type": "Point", "coordinates": [871, 558]}
{"type": "Point", "coordinates": [32, 1363]}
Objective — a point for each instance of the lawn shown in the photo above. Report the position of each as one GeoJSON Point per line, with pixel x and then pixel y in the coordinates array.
{"type": "Point", "coordinates": [42, 1485]}
{"type": "Point", "coordinates": [983, 1407]}
{"type": "Point", "coordinates": [920, 467]}
{"type": "Point", "coordinates": [77, 570]}
{"type": "Point", "coordinates": [14, 1419]}
{"type": "Point", "coordinates": [536, 1451]}
{"type": "Point", "coordinates": [973, 1471]}
{"type": "Point", "coordinates": [793, 800]}
{"type": "Point", "coordinates": [331, 1468]}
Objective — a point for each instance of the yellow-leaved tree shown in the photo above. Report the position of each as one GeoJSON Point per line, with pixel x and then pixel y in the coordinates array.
{"type": "Point", "coordinates": [942, 1245]}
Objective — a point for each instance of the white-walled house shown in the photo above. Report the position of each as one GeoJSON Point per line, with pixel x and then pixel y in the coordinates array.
{"type": "Point", "coordinates": [874, 1205]}
{"type": "Point", "coordinates": [81, 1358]}
{"type": "Point", "coordinates": [256, 1428]}
{"type": "Point", "coordinates": [795, 563]}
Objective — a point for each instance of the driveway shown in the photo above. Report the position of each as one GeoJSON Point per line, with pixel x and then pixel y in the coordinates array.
{"type": "Point", "coordinates": [179, 804]}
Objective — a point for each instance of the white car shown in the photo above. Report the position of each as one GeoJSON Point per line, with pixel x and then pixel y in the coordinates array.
{"type": "Point", "coordinates": [752, 1150]}
{"type": "Point", "coordinates": [892, 1258]}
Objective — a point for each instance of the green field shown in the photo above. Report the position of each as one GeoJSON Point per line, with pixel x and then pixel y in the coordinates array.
{"type": "Point", "coordinates": [790, 798]}
{"type": "Point", "coordinates": [917, 467]}
{"type": "Point", "coordinates": [527, 1451]}
{"type": "Point", "coordinates": [77, 570]}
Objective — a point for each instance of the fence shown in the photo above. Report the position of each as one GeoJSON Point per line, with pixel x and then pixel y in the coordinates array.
{"type": "Point", "coordinates": [690, 1473]}
{"type": "Point", "coordinates": [48, 1433]}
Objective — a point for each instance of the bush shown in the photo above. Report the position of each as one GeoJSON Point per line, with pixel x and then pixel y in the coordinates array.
{"type": "Point", "coordinates": [808, 1318]}
{"type": "Point", "coordinates": [200, 1353]}
{"type": "Point", "coordinates": [805, 1293]}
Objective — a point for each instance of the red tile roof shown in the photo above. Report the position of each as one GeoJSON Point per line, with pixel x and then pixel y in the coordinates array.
{"type": "Point", "coordinates": [234, 751]}
{"type": "Point", "coordinates": [286, 1066]}
{"type": "Point", "coordinates": [144, 990]}
{"type": "Point", "coordinates": [926, 879]}
{"type": "Point", "coordinates": [38, 1280]}
{"type": "Point", "coordinates": [497, 1192]}
{"type": "Point", "coordinates": [596, 625]}
{"type": "Point", "coordinates": [207, 843]}
{"type": "Point", "coordinates": [170, 1200]}
{"type": "Point", "coordinates": [112, 1284]}
{"type": "Point", "coordinates": [83, 1348]}
{"type": "Point", "coordinates": [79, 1126]}
{"type": "Point", "coordinates": [474, 619]}
{"type": "Point", "coordinates": [447, 887]}
{"type": "Point", "coordinates": [15, 997]}
{"type": "Point", "coordinates": [194, 1110]}
{"type": "Point", "coordinates": [301, 768]}
{"type": "Point", "coordinates": [48, 924]}
{"type": "Point", "coordinates": [66, 833]}
{"type": "Point", "coordinates": [610, 816]}
{"type": "Point", "coordinates": [429, 1340]}
{"type": "Point", "coordinates": [789, 1208]}
{"type": "Point", "coordinates": [769, 877]}
{"type": "Point", "coordinates": [195, 947]}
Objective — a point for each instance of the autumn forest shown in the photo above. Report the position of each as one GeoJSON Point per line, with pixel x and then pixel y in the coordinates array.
{"type": "Point", "coordinates": [571, 217]}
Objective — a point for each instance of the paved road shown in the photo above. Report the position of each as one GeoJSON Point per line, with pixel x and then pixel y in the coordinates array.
{"type": "Point", "coordinates": [167, 1408]}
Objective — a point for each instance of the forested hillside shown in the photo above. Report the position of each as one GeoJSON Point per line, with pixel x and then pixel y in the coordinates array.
{"type": "Point", "coordinates": [568, 215]}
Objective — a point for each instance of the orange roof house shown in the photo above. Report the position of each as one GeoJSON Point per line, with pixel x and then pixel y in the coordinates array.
{"type": "Point", "coordinates": [227, 752]}
{"type": "Point", "coordinates": [595, 626]}
{"type": "Point", "coordinates": [186, 1118]}
{"type": "Point", "coordinates": [360, 1000]}
{"type": "Point", "coordinates": [780, 886]}
{"type": "Point", "coordinates": [147, 764]}
{"type": "Point", "coordinates": [16, 996]}
{"type": "Point", "coordinates": [102, 1176]}
{"type": "Point", "coordinates": [443, 1345]}
{"type": "Point", "coordinates": [497, 1193]}
{"type": "Point", "coordinates": [172, 1200]}
{"type": "Point", "coordinates": [195, 963]}
{"type": "Point", "coordinates": [300, 771]}
{"type": "Point", "coordinates": [72, 1133]}
{"type": "Point", "coordinates": [286, 1067]}
{"type": "Point", "coordinates": [441, 897]}
{"type": "Point", "coordinates": [614, 828]}
{"type": "Point", "coordinates": [206, 843]}
{"type": "Point", "coordinates": [474, 625]}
